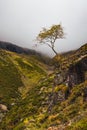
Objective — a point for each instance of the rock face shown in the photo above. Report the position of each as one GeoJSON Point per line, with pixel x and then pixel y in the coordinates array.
{"type": "Point", "coordinates": [85, 94]}
{"type": "Point", "coordinates": [54, 98]}
{"type": "Point", "coordinates": [77, 73]}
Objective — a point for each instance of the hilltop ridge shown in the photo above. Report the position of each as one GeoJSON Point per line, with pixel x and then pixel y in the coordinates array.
{"type": "Point", "coordinates": [20, 50]}
{"type": "Point", "coordinates": [15, 48]}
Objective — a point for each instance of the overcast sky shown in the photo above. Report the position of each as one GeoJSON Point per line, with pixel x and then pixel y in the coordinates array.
{"type": "Point", "coordinates": [22, 20]}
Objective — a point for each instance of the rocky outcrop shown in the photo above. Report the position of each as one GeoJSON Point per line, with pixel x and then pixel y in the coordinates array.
{"type": "Point", "coordinates": [54, 98]}
{"type": "Point", "coordinates": [77, 73]}
{"type": "Point", "coordinates": [85, 94]}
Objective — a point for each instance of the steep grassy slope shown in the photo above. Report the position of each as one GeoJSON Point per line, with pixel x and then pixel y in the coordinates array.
{"type": "Point", "coordinates": [18, 72]}
{"type": "Point", "coordinates": [57, 101]}
{"type": "Point", "coordinates": [10, 79]}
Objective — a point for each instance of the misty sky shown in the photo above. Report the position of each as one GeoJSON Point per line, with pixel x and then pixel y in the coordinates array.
{"type": "Point", "coordinates": [22, 20]}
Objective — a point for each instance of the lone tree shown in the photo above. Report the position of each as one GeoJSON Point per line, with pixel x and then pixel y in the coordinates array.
{"type": "Point", "coordinates": [49, 36]}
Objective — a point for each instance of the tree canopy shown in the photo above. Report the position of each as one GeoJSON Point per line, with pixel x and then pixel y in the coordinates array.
{"type": "Point", "coordinates": [49, 36]}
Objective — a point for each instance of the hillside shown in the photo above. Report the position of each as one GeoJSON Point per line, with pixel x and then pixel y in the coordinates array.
{"type": "Point", "coordinates": [68, 58]}
{"type": "Point", "coordinates": [20, 50]}
{"type": "Point", "coordinates": [14, 48]}
{"type": "Point", "coordinates": [40, 97]}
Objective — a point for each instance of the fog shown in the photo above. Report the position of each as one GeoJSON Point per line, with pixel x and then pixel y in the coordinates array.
{"type": "Point", "coordinates": [22, 20]}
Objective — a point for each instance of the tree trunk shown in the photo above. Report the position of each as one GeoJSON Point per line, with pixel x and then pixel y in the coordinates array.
{"type": "Point", "coordinates": [54, 51]}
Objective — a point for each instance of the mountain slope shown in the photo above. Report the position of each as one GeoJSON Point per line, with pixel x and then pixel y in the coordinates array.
{"type": "Point", "coordinates": [43, 100]}
{"type": "Point", "coordinates": [68, 58]}
{"type": "Point", "coordinates": [14, 48]}
{"type": "Point", "coordinates": [18, 71]}
{"type": "Point", "coordinates": [20, 50]}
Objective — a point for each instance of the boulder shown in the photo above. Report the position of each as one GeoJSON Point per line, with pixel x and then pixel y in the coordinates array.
{"type": "Point", "coordinates": [3, 108]}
